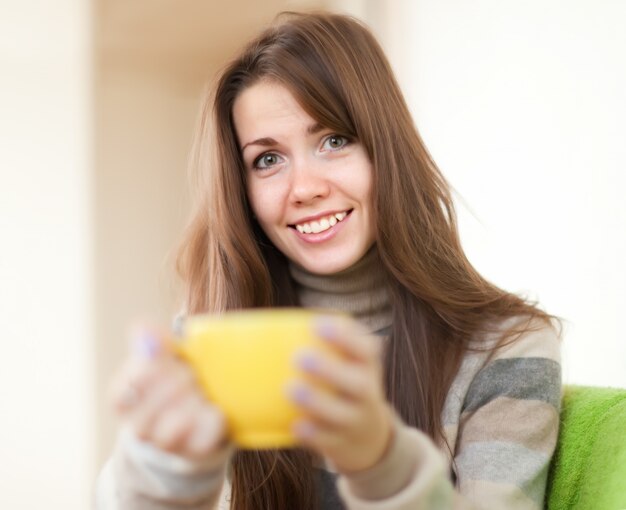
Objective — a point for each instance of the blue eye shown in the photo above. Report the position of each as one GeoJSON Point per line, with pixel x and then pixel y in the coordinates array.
{"type": "Point", "coordinates": [335, 142]}
{"type": "Point", "coordinates": [267, 160]}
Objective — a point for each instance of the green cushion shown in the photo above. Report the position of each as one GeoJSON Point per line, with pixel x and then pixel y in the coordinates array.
{"type": "Point", "coordinates": [589, 467]}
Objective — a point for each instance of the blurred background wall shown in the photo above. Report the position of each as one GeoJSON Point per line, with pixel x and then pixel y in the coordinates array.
{"type": "Point", "coordinates": [47, 364]}
{"type": "Point", "coordinates": [522, 106]}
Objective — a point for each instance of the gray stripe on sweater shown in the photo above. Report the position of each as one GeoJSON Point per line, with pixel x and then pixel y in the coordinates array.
{"type": "Point", "coordinates": [501, 462]}
{"type": "Point", "coordinates": [522, 378]}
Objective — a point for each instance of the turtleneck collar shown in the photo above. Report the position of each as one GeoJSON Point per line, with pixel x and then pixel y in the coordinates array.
{"type": "Point", "coordinates": [358, 290]}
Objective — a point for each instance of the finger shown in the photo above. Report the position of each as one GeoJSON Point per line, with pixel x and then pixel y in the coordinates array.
{"type": "Point", "coordinates": [208, 433]}
{"type": "Point", "coordinates": [315, 437]}
{"type": "Point", "coordinates": [135, 381]}
{"type": "Point", "coordinates": [167, 393]}
{"type": "Point", "coordinates": [323, 408]}
{"type": "Point", "coordinates": [349, 338]}
{"type": "Point", "coordinates": [146, 345]}
{"type": "Point", "coordinates": [351, 379]}
{"type": "Point", "coordinates": [176, 423]}
{"type": "Point", "coordinates": [120, 389]}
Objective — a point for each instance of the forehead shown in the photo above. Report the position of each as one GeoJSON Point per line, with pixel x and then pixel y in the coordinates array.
{"type": "Point", "coordinates": [267, 109]}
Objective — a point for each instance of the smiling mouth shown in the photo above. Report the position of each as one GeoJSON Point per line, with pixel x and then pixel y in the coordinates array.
{"type": "Point", "coordinates": [322, 224]}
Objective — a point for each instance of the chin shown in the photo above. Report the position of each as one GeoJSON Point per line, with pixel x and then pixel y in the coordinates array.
{"type": "Point", "coordinates": [328, 266]}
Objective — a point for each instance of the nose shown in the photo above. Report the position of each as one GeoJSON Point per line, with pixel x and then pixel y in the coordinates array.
{"type": "Point", "coordinates": [307, 183]}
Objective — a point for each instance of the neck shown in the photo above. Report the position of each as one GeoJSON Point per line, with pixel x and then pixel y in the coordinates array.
{"type": "Point", "coordinates": [359, 290]}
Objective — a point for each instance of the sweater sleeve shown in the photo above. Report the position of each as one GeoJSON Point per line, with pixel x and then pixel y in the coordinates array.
{"type": "Point", "coordinates": [506, 436]}
{"type": "Point", "coordinates": [139, 476]}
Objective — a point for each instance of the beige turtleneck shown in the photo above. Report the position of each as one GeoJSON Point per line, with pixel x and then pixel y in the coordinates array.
{"type": "Point", "coordinates": [358, 290]}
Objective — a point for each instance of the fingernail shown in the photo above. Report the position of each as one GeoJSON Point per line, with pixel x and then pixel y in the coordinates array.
{"type": "Point", "coordinates": [146, 345]}
{"type": "Point", "coordinates": [301, 394]}
{"type": "Point", "coordinates": [325, 328]}
{"type": "Point", "coordinates": [308, 363]}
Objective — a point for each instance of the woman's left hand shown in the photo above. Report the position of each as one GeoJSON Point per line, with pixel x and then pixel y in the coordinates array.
{"type": "Point", "coordinates": [346, 418]}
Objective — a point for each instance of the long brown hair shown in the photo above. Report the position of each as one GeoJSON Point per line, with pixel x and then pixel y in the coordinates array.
{"type": "Point", "coordinates": [338, 73]}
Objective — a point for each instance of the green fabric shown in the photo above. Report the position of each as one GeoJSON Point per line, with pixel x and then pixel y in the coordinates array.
{"type": "Point", "coordinates": [589, 467]}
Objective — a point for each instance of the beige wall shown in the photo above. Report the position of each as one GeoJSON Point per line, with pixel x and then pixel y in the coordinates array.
{"type": "Point", "coordinates": [523, 107]}
{"type": "Point", "coordinates": [46, 306]}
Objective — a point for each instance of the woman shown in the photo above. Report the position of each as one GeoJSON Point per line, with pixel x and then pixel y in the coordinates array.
{"type": "Point", "coordinates": [316, 190]}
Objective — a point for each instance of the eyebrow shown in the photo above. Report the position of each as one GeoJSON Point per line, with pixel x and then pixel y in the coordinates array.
{"type": "Point", "coordinates": [269, 142]}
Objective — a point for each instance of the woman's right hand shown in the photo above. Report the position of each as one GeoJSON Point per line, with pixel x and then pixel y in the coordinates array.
{"type": "Point", "coordinates": [157, 395]}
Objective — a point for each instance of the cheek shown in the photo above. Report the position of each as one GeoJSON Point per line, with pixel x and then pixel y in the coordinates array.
{"type": "Point", "coordinates": [265, 201]}
{"type": "Point", "coordinates": [253, 198]}
{"type": "Point", "coordinates": [360, 182]}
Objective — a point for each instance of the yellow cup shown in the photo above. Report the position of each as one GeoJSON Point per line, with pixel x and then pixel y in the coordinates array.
{"type": "Point", "coordinates": [243, 360]}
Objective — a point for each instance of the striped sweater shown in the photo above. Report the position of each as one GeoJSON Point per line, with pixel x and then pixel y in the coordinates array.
{"type": "Point", "coordinates": [500, 418]}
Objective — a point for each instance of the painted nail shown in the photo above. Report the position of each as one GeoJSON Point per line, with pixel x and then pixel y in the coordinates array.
{"type": "Point", "coordinates": [308, 363]}
{"type": "Point", "coordinates": [325, 328]}
{"type": "Point", "coordinates": [146, 345]}
{"type": "Point", "coordinates": [301, 394]}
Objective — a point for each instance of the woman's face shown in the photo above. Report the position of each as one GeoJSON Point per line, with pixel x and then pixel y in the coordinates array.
{"type": "Point", "coordinates": [309, 188]}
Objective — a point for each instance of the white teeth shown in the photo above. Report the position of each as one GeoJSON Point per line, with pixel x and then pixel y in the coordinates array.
{"type": "Point", "coordinates": [316, 227]}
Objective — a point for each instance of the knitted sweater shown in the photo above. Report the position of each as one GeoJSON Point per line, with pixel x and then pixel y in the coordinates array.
{"type": "Point", "coordinates": [500, 418]}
